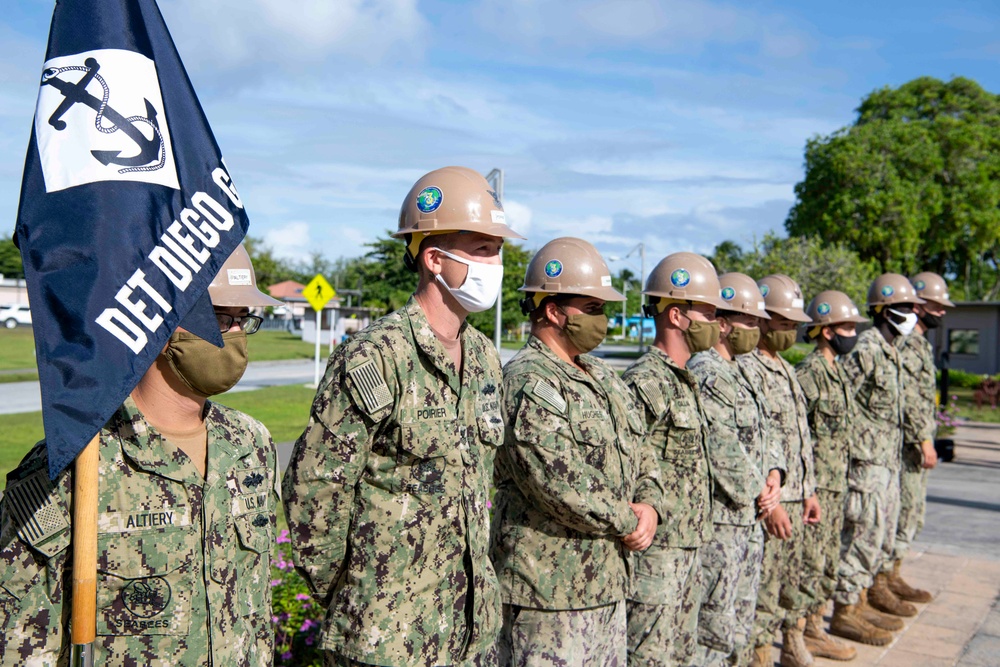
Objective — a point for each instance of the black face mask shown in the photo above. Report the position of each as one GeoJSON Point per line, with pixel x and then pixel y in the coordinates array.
{"type": "Point", "coordinates": [931, 321]}
{"type": "Point", "coordinates": [843, 344]}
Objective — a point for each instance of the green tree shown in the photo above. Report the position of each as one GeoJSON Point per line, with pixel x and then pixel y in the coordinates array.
{"type": "Point", "coordinates": [815, 266]}
{"type": "Point", "coordinates": [913, 183]}
{"type": "Point", "coordinates": [10, 259]}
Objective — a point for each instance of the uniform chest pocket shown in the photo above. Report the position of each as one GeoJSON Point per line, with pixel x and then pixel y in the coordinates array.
{"type": "Point", "coordinates": [422, 458]}
{"type": "Point", "coordinates": [683, 443]}
{"type": "Point", "coordinates": [829, 416]}
{"type": "Point", "coordinates": [883, 397]}
{"type": "Point", "coordinates": [251, 509]}
{"type": "Point", "coordinates": [145, 583]}
{"type": "Point", "coordinates": [591, 437]}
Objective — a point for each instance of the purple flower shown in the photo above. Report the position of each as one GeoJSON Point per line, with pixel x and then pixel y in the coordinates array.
{"type": "Point", "coordinates": [301, 596]}
{"type": "Point", "coordinates": [275, 583]}
{"type": "Point", "coordinates": [307, 625]}
{"type": "Point", "coordinates": [310, 640]}
{"type": "Point", "coordinates": [287, 655]}
{"type": "Point", "coordinates": [489, 504]}
{"type": "Point", "coordinates": [283, 537]}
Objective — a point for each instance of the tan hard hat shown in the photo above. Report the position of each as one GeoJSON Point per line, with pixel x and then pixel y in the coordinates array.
{"type": "Point", "coordinates": [685, 276]}
{"type": "Point", "coordinates": [931, 287]}
{"type": "Point", "coordinates": [569, 265]}
{"type": "Point", "coordinates": [452, 199]}
{"type": "Point", "coordinates": [833, 307]}
{"type": "Point", "coordinates": [740, 294]}
{"type": "Point", "coordinates": [236, 283]}
{"type": "Point", "coordinates": [782, 296]}
{"type": "Point", "coordinates": [891, 288]}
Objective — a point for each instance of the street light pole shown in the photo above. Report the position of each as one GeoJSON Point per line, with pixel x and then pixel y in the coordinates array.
{"type": "Point", "coordinates": [624, 303]}
{"type": "Point", "coordinates": [495, 177]}
{"type": "Point", "coordinates": [641, 247]}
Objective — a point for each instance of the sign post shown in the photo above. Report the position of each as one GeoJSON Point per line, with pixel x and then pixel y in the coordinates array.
{"type": "Point", "coordinates": [318, 293]}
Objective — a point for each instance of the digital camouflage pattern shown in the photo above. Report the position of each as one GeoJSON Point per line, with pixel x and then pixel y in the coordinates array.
{"type": "Point", "coordinates": [873, 369]}
{"type": "Point", "coordinates": [741, 454]}
{"type": "Point", "coordinates": [780, 596]}
{"type": "Point", "coordinates": [386, 495]}
{"type": "Point", "coordinates": [869, 519]}
{"type": "Point", "coordinates": [663, 609]}
{"type": "Point", "coordinates": [875, 374]}
{"type": "Point", "coordinates": [780, 601]}
{"type": "Point", "coordinates": [183, 561]}
{"type": "Point", "coordinates": [831, 410]}
{"type": "Point", "coordinates": [731, 576]}
{"type": "Point", "coordinates": [740, 450]}
{"type": "Point", "coordinates": [746, 598]}
{"type": "Point", "coordinates": [787, 421]}
{"type": "Point", "coordinates": [919, 406]}
{"type": "Point", "coordinates": [831, 414]}
{"type": "Point", "coordinates": [666, 633]}
{"type": "Point", "coordinates": [821, 551]}
{"type": "Point", "coordinates": [571, 463]}
{"type": "Point", "coordinates": [542, 638]}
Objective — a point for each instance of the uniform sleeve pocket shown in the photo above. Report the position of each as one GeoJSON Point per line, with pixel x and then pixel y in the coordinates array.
{"type": "Point", "coordinates": [145, 584]}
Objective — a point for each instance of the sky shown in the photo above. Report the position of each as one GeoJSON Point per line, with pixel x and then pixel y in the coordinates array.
{"type": "Point", "coordinates": [677, 124]}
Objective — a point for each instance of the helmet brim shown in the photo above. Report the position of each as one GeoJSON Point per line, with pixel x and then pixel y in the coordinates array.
{"type": "Point", "coordinates": [248, 298]}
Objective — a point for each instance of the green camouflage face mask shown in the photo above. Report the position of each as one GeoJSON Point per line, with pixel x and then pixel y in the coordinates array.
{"type": "Point", "coordinates": [205, 369]}
{"type": "Point", "coordinates": [779, 341]}
{"type": "Point", "coordinates": [742, 340]}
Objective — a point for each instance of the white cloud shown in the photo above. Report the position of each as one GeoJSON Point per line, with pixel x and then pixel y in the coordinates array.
{"type": "Point", "coordinates": [518, 216]}
{"type": "Point", "coordinates": [299, 35]}
{"type": "Point", "coordinates": [291, 241]}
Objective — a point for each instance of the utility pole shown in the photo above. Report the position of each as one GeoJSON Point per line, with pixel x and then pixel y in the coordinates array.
{"type": "Point", "coordinates": [495, 178]}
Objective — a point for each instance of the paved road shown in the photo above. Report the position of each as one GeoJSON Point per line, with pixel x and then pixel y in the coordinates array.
{"type": "Point", "coordinates": [25, 397]}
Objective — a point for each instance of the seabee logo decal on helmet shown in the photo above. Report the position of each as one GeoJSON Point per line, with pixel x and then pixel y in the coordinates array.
{"type": "Point", "coordinates": [887, 290]}
{"type": "Point", "coordinates": [920, 284]}
{"type": "Point", "coordinates": [823, 308]}
{"type": "Point", "coordinates": [680, 278]}
{"type": "Point", "coordinates": [765, 290]}
{"type": "Point", "coordinates": [429, 199]}
{"type": "Point", "coordinates": [553, 268]}
{"type": "Point", "coordinates": [728, 293]}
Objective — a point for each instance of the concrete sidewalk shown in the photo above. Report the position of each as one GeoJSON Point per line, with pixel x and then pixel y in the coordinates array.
{"type": "Point", "coordinates": [958, 559]}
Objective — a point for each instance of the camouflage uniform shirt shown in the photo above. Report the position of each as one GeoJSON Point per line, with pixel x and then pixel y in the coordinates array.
{"type": "Point", "coordinates": [788, 421]}
{"type": "Point", "coordinates": [675, 420]}
{"type": "Point", "coordinates": [739, 448]}
{"type": "Point", "coordinates": [916, 356]}
{"type": "Point", "coordinates": [572, 461]}
{"type": "Point", "coordinates": [183, 561]}
{"type": "Point", "coordinates": [830, 405]}
{"type": "Point", "coordinates": [874, 372]}
{"type": "Point", "coordinates": [387, 491]}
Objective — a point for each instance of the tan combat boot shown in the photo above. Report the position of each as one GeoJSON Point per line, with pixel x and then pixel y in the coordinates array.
{"type": "Point", "coordinates": [762, 657]}
{"type": "Point", "coordinates": [793, 647]}
{"type": "Point", "coordinates": [877, 618]}
{"type": "Point", "coordinates": [822, 645]}
{"type": "Point", "coordinates": [903, 590]}
{"type": "Point", "coordinates": [880, 597]}
{"type": "Point", "coordinates": [848, 623]}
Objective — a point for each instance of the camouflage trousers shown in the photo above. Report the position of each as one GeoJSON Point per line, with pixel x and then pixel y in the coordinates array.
{"type": "Point", "coordinates": [541, 638]}
{"type": "Point", "coordinates": [487, 659]}
{"type": "Point", "coordinates": [912, 502]}
{"type": "Point", "coordinates": [730, 565]}
{"type": "Point", "coordinates": [821, 551]}
{"type": "Point", "coordinates": [780, 602]}
{"type": "Point", "coordinates": [663, 612]}
{"type": "Point", "coordinates": [871, 509]}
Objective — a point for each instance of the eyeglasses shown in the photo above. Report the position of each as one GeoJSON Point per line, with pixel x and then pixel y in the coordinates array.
{"type": "Point", "coordinates": [249, 323]}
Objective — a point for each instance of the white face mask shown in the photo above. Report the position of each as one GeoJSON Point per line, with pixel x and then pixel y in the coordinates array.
{"type": "Point", "coordinates": [905, 327]}
{"type": "Point", "coordinates": [481, 287]}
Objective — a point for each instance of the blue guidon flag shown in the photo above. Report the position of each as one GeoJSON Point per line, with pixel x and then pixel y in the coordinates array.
{"type": "Point", "coordinates": [127, 212]}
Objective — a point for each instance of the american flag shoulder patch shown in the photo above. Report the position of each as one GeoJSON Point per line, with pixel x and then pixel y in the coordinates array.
{"type": "Point", "coordinates": [371, 386]}
{"type": "Point", "coordinates": [32, 509]}
{"type": "Point", "coordinates": [547, 393]}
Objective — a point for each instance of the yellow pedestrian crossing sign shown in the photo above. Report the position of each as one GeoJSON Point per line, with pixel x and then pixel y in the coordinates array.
{"type": "Point", "coordinates": [318, 292]}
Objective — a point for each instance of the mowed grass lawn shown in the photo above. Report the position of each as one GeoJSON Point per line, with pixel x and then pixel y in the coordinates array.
{"type": "Point", "coordinates": [17, 351]}
{"type": "Point", "coordinates": [284, 410]}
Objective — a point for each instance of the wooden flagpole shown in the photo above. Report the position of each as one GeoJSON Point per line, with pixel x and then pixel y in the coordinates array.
{"type": "Point", "coordinates": [83, 625]}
